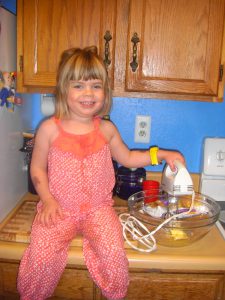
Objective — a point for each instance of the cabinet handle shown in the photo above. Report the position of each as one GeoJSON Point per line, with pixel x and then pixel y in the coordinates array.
{"type": "Point", "coordinates": [135, 40]}
{"type": "Point", "coordinates": [107, 38]}
{"type": "Point", "coordinates": [21, 63]}
{"type": "Point", "coordinates": [221, 73]}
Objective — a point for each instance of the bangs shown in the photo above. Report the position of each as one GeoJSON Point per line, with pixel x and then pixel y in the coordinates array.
{"type": "Point", "coordinates": [87, 68]}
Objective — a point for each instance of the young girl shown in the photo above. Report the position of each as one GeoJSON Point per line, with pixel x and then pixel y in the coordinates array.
{"type": "Point", "coordinates": [73, 174]}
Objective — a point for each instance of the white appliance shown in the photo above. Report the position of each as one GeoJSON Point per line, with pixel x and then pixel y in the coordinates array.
{"type": "Point", "coordinates": [212, 181]}
{"type": "Point", "coordinates": [177, 182]}
{"type": "Point", "coordinates": [13, 182]}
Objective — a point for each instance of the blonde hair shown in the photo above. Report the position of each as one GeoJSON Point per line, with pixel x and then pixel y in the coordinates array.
{"type": "Point", "coordinates": [80, 64]}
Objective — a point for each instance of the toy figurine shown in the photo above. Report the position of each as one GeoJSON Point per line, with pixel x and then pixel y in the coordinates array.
{"type": "Point", "coordinates": [7, 92]}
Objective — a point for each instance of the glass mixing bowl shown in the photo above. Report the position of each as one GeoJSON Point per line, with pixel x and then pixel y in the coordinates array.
{"type": "Point", "coordinates": [181, 230]}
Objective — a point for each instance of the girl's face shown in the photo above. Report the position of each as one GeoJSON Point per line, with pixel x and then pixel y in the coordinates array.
{"type": "Point", "coordinates": [85, 97]}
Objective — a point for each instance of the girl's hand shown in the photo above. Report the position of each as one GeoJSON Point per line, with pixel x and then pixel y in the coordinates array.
{"type": "Point", "coordinates": [170, 157]}
{"type": "Point", "coordinates": [49, 212]}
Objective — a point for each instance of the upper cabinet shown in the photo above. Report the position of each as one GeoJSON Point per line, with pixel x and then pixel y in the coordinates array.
{"type": "Point", "coordinates": [47, 27]}
{"type": "Point", "coordinates": [152, 48]}
{"type": "Point", "coordinates": [175, 46]}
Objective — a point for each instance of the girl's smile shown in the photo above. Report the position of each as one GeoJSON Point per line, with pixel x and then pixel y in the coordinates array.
{"type": "Point", "coordinates": [86, 97]}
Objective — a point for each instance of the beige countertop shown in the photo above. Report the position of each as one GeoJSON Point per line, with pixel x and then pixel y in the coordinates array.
{"type": "Point", "coordinates": [205, 254]}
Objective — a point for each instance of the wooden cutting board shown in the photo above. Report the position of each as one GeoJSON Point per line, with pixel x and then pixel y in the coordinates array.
{"type": "Point", "coordinates": [17, 227]}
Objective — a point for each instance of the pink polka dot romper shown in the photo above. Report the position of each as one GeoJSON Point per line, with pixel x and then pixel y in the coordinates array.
{"type": "Point", "coordinates": [81, 178]}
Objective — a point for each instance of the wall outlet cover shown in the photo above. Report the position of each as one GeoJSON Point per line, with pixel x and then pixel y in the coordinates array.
{"type": "Point", "coordinates": [142, 129]}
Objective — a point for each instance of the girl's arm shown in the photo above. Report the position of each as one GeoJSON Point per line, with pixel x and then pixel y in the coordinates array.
{"type": "Point", "coordinates": [135, 158]}
{"type": "Point", "coordinates": [39, 174]}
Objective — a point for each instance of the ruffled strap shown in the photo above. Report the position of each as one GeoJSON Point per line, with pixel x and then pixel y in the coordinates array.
{"type": "Point", "coordinates": [80, 145]}
{"type": "Point", "coordinates": [96, 122]}
{"type": "Point", "coordinates": [58, 123]}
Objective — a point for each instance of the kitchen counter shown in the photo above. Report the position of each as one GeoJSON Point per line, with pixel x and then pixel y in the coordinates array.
{"type": "Point", "coordinates": [199, 268]}
{"type": "Point", "coordinates": [205, 254]}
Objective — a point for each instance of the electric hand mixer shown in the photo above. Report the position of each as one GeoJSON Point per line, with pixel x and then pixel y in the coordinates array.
{"type": "Point", "coordinates": [176, 183]}
{"type": "Point", "coordinates": [182, 216]}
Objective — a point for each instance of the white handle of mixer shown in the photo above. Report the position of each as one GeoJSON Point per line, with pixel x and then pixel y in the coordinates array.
{"type": "Point", "coordinates": [178, 164]}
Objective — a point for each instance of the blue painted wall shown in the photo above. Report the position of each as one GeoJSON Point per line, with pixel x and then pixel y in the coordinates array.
{"type": "Point", "coordinates": [181, 125]}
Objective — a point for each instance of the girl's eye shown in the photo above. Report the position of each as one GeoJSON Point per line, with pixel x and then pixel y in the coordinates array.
{"type": "Point", "coordinates": [77, 86]}
{"type": "Point", "coordinates": [98, 86]}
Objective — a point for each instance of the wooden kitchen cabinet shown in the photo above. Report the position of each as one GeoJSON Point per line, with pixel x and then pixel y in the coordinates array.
{"type": "Point", "coordinates": [178, 51]}
{"type": "Point", "coordinates": [76, 284]}
{"type": "Point", "coordinates": [157, 285]}
{"type": "Point", "coordinates": [179, 46]}
{"type": "Point", "coordinates": [47, 28]}
{"type": "Point", "coordinates": [159, 49]}
{"type": "Point", "coordinates": [175, 286]}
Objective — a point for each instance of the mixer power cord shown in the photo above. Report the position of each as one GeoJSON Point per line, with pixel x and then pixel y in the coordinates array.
{"type": "Point", "coordinates": [140, 233]}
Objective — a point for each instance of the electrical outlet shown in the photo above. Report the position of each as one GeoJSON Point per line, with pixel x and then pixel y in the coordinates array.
{"type": "Point", "coordinates": [142, 129]}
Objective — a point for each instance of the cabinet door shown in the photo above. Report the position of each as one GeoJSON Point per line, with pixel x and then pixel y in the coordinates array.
{"type": "Point", "coordinates": [74, 284]}
{"type": "Point", "coordinates": [47, 27]}
{"type": "Point", "coordinates": [155, 286]}
{"type": "Point", "coordinates": [179, 46]}
{"type": "Point", "coordinates": [8, 281]}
